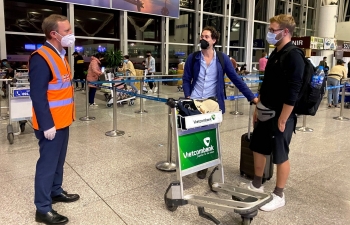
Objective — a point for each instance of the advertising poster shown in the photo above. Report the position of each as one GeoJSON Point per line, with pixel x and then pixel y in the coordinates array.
{"type": "Point", "coordinates": [96, 3]}
{"type": "Point", "coordinates": [168, 8]}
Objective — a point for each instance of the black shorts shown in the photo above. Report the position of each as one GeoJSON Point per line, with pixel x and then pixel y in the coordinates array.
{"type": "Point", "coordinates": [267, 139]}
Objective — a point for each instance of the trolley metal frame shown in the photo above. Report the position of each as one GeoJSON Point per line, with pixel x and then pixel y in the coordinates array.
{"type": "Point", "coordinates": [19, 103]}
{"type": "Point", "coordinates": [242, 201]}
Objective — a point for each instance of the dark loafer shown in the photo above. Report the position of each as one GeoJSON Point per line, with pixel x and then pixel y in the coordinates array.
{"type": "Point", "coordinates": [202, 174]}
{"type": "Point", "coordinates": [65, 197]}
{"type": "Point", "coordinates": [51, 217]}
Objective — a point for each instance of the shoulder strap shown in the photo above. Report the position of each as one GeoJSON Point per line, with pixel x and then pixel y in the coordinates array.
{"type": "Point", "coordinates": [287, 50]}
{"type": "Point", "coordinates": [222, 62]}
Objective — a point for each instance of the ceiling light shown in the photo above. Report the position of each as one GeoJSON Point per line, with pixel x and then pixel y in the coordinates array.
{"type": "Point", "coordinates": [47, 10]}
{"type": "Point", "coordinates": [77, 20]}
{"type": "Point", "coordinates": [93, 18]}
{"type": "Point", "coordinates": [34, 12]}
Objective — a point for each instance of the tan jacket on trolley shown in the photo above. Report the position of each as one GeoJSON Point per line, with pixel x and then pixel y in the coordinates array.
{"type": "Point", "coordinates": [338, 72]}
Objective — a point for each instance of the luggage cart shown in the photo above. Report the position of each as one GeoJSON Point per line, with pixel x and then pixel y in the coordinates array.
{"type": "Point", "coordinates": [19, 104]}
{"type": "Point", "coordinates": [198, 147]}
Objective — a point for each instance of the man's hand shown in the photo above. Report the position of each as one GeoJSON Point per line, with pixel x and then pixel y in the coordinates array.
{"type": "Point", "coordinates": [50, 133]}
{"type": "Point", "coordinates": [281, 124]}
{"type": "Point", "coordinates": [255, 101]}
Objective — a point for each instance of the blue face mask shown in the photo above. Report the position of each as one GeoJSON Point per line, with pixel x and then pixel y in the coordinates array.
{"type": "Point", "coordinates": [271, 38]}
{"type": "Point", "coordinates": [125, 60]}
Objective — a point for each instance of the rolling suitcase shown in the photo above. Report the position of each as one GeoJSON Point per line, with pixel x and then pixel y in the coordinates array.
{"type": "Point", "coordinates": [247, 160]}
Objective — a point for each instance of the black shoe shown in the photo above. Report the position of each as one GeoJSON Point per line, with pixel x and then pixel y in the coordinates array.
{"type": "Point", "coordinates": [65, 197]}
{"type": "Point", "coordinates": [51, 217]}
{"type": "Point", "coordinates": [202, 174]}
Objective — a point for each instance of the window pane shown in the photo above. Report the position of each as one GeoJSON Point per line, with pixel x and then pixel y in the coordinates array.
{"type": "Point", "coordinates": [238, 34]}
{"type": "Point", "coordinates": [259, 36]}
{"type": "Point", "coordinates": [137, 52]}
{"type": "Point", "coordinates": [144, 27]}
{"type": "Point", "coordinates": [279, 7]}
{"type": "Point", "coordinates": [93, 22]}
{"type": "Point", "coordinates": [177, 53]}
{"type": "Point", "coordinates": [181, 30]}
{"type": "Point", "coordinates": [89, 47]}
{"type": "Point", "coordinates": [213, 6]}
{"type": "Point", "coordinates": [27, 16]}
{"type": "Point", "coordinates": [260, 10]}
{"type": "Point", "coordinates": [213, 21]}
{"type": "Point", "coordinates": [238, 54]}
{"type": "Point", "coordinates": [23, 44]}
{"type": "Point", "coordinates": [312, 3]}
{"type": "Point", "coordinates": [189, 4]}
{"type": "Point", "coordinates": [310, 19]}
{"type": "Point", "coordinates": [238, 8]}
{"type": "Point", "coordinates": [296, 14]}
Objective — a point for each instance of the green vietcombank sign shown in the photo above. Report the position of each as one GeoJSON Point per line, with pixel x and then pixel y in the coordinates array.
{"type": "Point", "coordinates": [198, 148]}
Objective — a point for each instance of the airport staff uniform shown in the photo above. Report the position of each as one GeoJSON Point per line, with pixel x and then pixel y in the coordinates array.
{"type": "Point", "coordinates": [51, 92]}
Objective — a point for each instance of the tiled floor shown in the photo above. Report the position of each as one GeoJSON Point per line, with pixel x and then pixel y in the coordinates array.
{"type": "Point", "coordinates": [119, 184]}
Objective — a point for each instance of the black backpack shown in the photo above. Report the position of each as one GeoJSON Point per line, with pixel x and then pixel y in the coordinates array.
{"type": "Point", "coordinates": [222, 62]}
{"type": "Point", "coordinates": [309, 98]}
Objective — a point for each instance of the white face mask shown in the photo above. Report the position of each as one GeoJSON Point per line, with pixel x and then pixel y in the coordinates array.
{"type": "Point", "coordinates": [68, 40]}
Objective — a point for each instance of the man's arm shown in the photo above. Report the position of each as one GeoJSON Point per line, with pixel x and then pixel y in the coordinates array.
{"type": "Point", "coordinates": [295, 71]}
{"type": "Point", "coordinates": [237, 81]}
{"type": "Point", "coordinates": [187, 77]}
{"type": "Point", "coordinates": [40, 76]}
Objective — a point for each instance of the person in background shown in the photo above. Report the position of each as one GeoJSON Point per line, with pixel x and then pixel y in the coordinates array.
{"type": "Point", "coordinates": [262, 65]}
{"type": "Point", "coordinates": [233, 61]}
{"type": "Point", "coordinates": [335, 75]}
{"type": "Point", "coordinates": [129, 70]}
{"type": "Point", "coordinates": [51, 92]}
{"type": "Point", "coordinates": [94, 72]}
{"type": "Point", "coordinates": [323, 62]}
{"type": "Point", "coordinates": [79, 70]}
{"type": "Point", "coordinates": [151, 69]}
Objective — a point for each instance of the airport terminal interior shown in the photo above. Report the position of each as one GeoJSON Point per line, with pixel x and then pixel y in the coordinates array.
{"type": "Point", "coordinates": [116, 177]}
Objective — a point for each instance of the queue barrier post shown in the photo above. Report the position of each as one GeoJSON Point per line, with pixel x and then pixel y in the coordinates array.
{"type": "Point", "coordinates": [168, 165]}
{"type": "Point", "coordinates": [304, 128]}
{"type": "Point", "coordinates": [87, 117]}
{"type": "Point", "coordinates": [236, 112]}
{"type": "Point", "coordinates": [114, 132]}
{"type": "Point", "coordinates": [141, 111]}
{"type": "Point", "coordinates": [342, 103]}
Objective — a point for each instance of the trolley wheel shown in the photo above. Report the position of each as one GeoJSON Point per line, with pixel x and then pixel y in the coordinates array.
{"type": "Point", "coordinates": [131, 102]}
{"type": "Point", "coordinates": [22, 126]}
{"type": "Point", "coordinates": [170, 206]}
{"type": "Point", "coordinates": [109, 105]}
{"type": "Point", "coordinates": [10, 138]}
{"type": "Point", "coordinates": [106, 96]}
{"type": "Point", "coordinates": [210, 179]}
{"type": "Point", "coordinates": [246, 221]}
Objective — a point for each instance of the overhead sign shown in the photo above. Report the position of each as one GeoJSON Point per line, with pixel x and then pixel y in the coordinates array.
{"type": "Point", "coordinates": [330, 44]}
{"type": "Point", "coordinates": [168, 8]}
{"type": "Point", "coordinates": [302, 42]}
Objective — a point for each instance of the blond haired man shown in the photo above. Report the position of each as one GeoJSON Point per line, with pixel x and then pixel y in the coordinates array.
{"type": "Point", "coordinates": [278, 94]}
{"type": "Point", "coordinates": [51, 92]}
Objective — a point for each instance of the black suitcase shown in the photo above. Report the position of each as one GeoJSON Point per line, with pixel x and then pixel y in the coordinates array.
{"type": "Point", "coordinates": [246, 166]}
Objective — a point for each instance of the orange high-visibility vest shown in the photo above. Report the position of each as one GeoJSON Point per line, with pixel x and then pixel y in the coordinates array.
{"type": "Point", "coordinates": [60, 93]}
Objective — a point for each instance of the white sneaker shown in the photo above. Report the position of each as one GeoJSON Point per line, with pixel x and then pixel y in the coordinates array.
{"type": "Point", "coordinates": [155, 90]}
{"type": "Point", "coordinates": [93, 104]}
{"type": "Point", "coordinates": [277, 202]}
{"type": "Point", "coordinates": [251, 187]}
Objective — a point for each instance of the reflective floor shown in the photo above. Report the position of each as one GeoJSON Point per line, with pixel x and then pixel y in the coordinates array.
{"type": "Point", "coordinates": [119, 184]}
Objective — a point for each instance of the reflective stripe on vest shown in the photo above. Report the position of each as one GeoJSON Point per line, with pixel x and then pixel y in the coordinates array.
{"type": "Point", "coordinates": [60, 103]}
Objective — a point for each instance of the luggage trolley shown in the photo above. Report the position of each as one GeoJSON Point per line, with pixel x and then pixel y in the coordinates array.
{"type": "Point", "coordinates": [197, 144]}
{"type": "Point", "coordinates": [20, 104]}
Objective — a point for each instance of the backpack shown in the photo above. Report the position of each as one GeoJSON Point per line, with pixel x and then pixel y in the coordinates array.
{"type": "Point", "coordinates": [309, 98]}
{"type": "Point", "coordinates": [221, 60]}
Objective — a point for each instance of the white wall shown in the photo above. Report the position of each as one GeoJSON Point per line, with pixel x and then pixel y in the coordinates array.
{"type": "Point", "coordinates": [342, 31]}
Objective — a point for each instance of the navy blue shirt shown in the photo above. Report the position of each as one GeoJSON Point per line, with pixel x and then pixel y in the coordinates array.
{"type": "Point", "coordinates": [40, 75]}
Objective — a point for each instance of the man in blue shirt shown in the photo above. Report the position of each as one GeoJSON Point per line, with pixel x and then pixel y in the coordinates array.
{"type": "Point", "coordinates": [206, 78]}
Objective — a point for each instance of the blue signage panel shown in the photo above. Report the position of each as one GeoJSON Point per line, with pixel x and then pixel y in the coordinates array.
{"type": "Point", "coordinates": [21, 93]}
